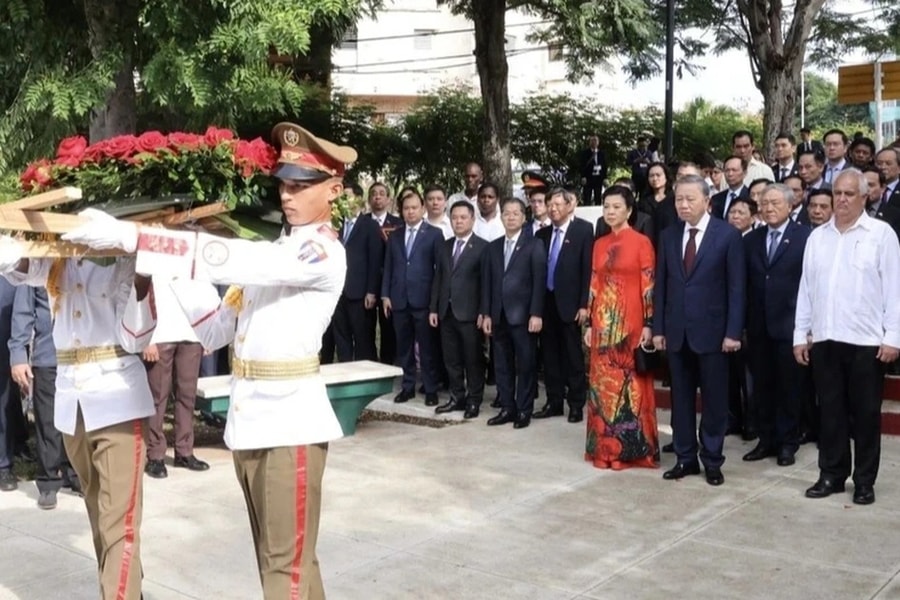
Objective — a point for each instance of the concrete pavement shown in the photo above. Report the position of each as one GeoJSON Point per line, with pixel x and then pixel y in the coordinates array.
{"type": "Point", "coordinates": [472, 512]}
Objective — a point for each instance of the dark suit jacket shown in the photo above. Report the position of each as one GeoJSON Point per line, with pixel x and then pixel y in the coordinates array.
{"type": "Point", "coordinates": [890, 212]}
{"type": "Point", "coordinates": [407, 280]}
{"type": "Point", "coordinates": [707, 305]}
{"type": "Point", "coordinates": [586, 164]}
{"type": "Point", "coordinates": [717, 202]}
{"type": "Point", "coordinates": [663, 213]}
{"type": "Point", "coordinates": [772, 288]}
{"type": "Point", "coordinates": [461, 283]}
{"type": "Point", "coordinates": [803, 217]}
{"type": "Point", "coordinates": [572, 278]}
{"type": "Point", "coordinates": [365, 257]}
{"type": "Point", "coordinates": [391, 224]}
{"type": "Point", "coordinates": [642, 223]}
{"type": "Point", "coordinates": [815, 145]}
{"type": "Point", "coordinates": [776, 170]}
{"type": "Point", "coordinates": [518, 292]}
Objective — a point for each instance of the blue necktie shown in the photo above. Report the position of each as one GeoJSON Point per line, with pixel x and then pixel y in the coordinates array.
{"type": "Point", "coordinates": [554, 256]}
{"type": "Point", "coordinates": [409, 241]}
{"type": "Point", "coordinates": [773, 244]}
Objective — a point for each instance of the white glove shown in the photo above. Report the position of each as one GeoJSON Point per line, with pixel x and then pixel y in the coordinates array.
{"type": "Point", "coordinates": [104, 232]}
{"type": "Point", "coordinates": [10, 254]}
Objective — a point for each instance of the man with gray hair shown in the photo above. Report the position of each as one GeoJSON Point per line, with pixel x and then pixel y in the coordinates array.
{"type": "Point", "coordinates": [847, 325]}
{"type": "Point", "coordinates": [698, 316]}
{"type": "Point", "coordinates": [774, 257]}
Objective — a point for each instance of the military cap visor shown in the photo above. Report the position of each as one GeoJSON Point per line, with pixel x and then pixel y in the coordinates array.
{"type": "Point", "coordinates": [302, 156]}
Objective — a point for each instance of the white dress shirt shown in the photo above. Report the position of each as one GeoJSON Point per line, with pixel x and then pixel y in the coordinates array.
{"type": "Point", "coordinates": [832, 171]}
{"type": "Point", "coordinates": [701, 229]}
{"type": "Point", "coordinates": [850, 285]}
{"type": "Point", "coordinates": [538, 225]}
{"type": "Point", "coordinates": [289, 290]}
{"type": "Point", "coordinates": [786, 169]}
{"type": "Point", "coordinates": [489, 230]}
{"type": "Point", "coordinates": [758, 170]}
{"type": "Point", "coordinates": [444, 225]}
{"type": "Point", "coordinates": [96, 306]}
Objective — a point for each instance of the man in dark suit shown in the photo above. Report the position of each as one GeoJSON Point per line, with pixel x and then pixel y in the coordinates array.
{"type": "Point", "coordinates": [887, 161]}
{"type": "Point", "coordinates": [807, 144]}
{"type": "Point", "coordinates": [364, 247]}
{"type": "Point", "coordinates": [593, 167]}
{"type": "Point", "coordinates": [512, 300]}
{"type": "Point", "coordinates": [699, 301]}
{"type": "Point", "coordinates": [379, 203]}
{"type": "Point", "coordinates": [409, 264]}
{"type": "Point", "coordinates": [735, 170]}
{"type": "Point", "coordinates": [455, 306]}
{"type": "Point", "coordinates": [774, 257]}
{"type": "Point", "coordinates": [569, 243]}
{"type": "Point", "coordinates": [785, 149]}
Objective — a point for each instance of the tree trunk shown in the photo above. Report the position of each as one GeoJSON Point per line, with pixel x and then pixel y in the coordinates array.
{"type": "Point", "coordinates": [780, 90]}
{"type": "Point", "coordinates": [112, 28]}
{"type": "Point", "coordinates": [493, 73]}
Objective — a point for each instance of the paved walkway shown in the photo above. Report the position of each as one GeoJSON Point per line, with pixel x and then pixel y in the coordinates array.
{"type": "Point", "coordinates": [472, 512]}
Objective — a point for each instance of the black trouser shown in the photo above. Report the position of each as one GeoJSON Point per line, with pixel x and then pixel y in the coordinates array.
{"type": "Point", "coordinates": [514, 350]}
{"type": "Point", "coordinates": [53, 468]}
{"type": "Point", "coordinates": [592, 191]}
{"type": "Point", "coordinates": [809, 403]}
{"type": "Point", "coordinates": [352, 333]}
{"type": "Point", "coordinates": [849, 381]}
{"type": "Point", "coordinates": [326, 354]}
{"type": "Point", "coordinates": [461, 342]}
{"type": "Point", "coordinates": [411, 327]}
{"type": "Point", "coordinates": [10, 409]}
{"type": "Point", "coordinates": [741, 407]}
{"type": "Point", "coordinates": [387, 343]}
{"type": "Point", "coordinates": [776, 385]}
{"type": "Point", "coordinates": [564, 374]}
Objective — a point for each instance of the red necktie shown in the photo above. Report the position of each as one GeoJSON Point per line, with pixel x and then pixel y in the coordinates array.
{"type": "Point", "coordinates": [690, 251]}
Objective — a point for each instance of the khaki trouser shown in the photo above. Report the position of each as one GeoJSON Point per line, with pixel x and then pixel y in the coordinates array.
{"type": "Point", "coordinates": [110, 465]}
{"type": "Point", "coordinates": [283, 491]}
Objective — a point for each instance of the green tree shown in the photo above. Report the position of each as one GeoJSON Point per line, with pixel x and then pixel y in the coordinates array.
{"type": "Point", "coordinates": [593, 32]}
{"type": "Point", "coordinates": [780, 38]}
{"type": "Point", "coordinates": [823, 111]}
{"type": "Point", "coordinates": [96, 65]}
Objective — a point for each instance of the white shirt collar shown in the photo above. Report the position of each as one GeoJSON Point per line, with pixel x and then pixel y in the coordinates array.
{"type": "Point", "coordinates": [784, 225]}
{"type": "Point", "coordinates": [702, 224]}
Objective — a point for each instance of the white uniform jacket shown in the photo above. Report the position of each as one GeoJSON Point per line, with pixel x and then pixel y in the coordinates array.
{"type": "Point", "coordinates": [290, 288]}
{"type": "Point", "coordinates": [96, 305]}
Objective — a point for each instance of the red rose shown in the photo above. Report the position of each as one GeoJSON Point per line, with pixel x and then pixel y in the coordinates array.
{"type": "Point", "coordinates": [36, 175]}
{"type": "Point", "coordinates": [185, 141]}
{"type": "Point", "coordinates": [151, 141]}
{"type": "Point", "coordinates": [121, 146]}
{"type": "Point", "coordinates": [96, 152]}
{"type": "Point", "coordinates": [215, 136]}
{"type": "Point", "coordinates": [254, 156]}
{"type": "Point", "coordinates": [71, 151]}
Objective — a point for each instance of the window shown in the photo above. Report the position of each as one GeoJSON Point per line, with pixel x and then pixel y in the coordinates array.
{"type": "Point", "coordinates": [348, 40]}
{"type": "Point", "coordinates": [422, 39]}
{"type": "Point", "coordinates": [555, 52]}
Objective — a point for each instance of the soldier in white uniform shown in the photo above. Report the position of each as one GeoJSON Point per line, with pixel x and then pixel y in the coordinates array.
{"type": "Point", "coordinates": [103, 315]}
{"type": "Point", "coordinates": [284, 293]}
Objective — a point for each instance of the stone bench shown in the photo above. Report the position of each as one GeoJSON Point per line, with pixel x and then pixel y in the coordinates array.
{"type": "Point", "coordinates": [351, 387]}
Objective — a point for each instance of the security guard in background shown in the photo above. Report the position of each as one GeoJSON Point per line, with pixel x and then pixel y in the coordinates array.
{"type": "Point", "coordinates": [280, 419]}
{"type": "Point", "coordinates": [102, 316]}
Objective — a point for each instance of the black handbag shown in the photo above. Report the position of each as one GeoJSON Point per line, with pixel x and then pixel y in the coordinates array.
{"type": "Point", "coordinates": [646, 360]}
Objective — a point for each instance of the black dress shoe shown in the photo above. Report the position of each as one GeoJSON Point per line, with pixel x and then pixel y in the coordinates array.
{"type": "Point", "coordinates": [670, 447]}
{"type": "Point", "coordinates": [8, 480]}
{"type": "Point", "coordinates": [403, 396]}
{"type": "Point", "coordinates": [192, 463]}
{"type": "Point", "coordinates": [548, 411]}
{"type": "Point", "coordinates": [786, 458]}
{"type": "Point", "coordinates": [450, 406]}
{"type": "Point", "coordinates": [471, 411]}
{"type": "Point", "coordinates": [576, 415]}
{"type": "Point", "coordinates": [824, 488]}
{"type": "Point", "coordinates": [523, 420]}
{"type": "Point", "coordinates": [759, 453]}
{"type": "Point", "coordinates": [714, 476]}
{"type": "Point", "coordinates": [682, 470]}
{"type": "Point", "coordinates": [863, 494]}
{"type": "Point", "coordinates": [156, 469]}
{"type": "Point", "coordinates": [431, 400]}
{"type": "Point", "coordinates": [748, 435]}
{"type": "Point", "coordinates": [502, 418]}
{"type": "Point", "coordinates": [496, 403]}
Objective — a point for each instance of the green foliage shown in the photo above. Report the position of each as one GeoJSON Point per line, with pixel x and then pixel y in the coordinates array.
{"type": "Point", "coordinates": [823, 111]}
{"type": "Point", "coordinates": [198, 63]}
{"type": "Point", "coordinates": [702, 129]}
